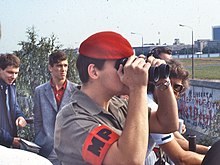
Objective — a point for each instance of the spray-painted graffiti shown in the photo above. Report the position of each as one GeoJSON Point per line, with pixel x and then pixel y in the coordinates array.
{"type": "Point", "coordinates": [200, 108]}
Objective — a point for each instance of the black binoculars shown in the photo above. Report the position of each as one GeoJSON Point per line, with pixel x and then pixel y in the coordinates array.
{"type": "Point", "coordinates": [155, 73]}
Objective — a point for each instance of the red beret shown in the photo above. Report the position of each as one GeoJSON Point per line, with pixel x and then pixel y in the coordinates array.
{"type": "Point", "coordinates": [106, 45]}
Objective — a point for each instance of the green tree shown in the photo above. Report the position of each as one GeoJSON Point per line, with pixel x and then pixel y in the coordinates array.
{"type": "Point", "coordinates": [72, 74]}
{"type": "Point", "coordinates": [33, 55]}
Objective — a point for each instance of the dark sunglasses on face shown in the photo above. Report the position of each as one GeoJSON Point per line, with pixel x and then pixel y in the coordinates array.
{"type": "Point", "coordinates": [178, 88]}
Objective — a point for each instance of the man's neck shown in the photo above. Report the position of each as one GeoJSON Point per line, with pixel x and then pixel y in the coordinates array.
{"type": "Point", "coordinates": [58, 83]}
{"type": "Point", "coordinates": [97, 96]}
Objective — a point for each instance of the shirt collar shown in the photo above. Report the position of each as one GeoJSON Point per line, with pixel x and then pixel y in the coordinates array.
{"type": "Point", "coordinates": [3, 84]}
{"type": "Point", "coordinates": [63, 86]}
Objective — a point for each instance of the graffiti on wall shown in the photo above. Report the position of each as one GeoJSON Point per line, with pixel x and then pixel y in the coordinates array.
{"type": "Point", "coordinates": [200, 109]}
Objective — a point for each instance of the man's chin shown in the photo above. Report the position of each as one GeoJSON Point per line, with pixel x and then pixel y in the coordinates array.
{"type": "Point", "coordinates": [63, 78]}
{"type": "Point", "coordinates": [9, 82]}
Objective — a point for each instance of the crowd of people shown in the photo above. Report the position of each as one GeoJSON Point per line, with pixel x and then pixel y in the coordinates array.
{"type": "Point", "coordinates": [115, 116]}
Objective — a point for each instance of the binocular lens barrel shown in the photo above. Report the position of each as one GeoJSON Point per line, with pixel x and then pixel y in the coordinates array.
{"type": "Point", "coordinates": [164, 70]}
{"type": "Point", "coordinates": [155, 73]}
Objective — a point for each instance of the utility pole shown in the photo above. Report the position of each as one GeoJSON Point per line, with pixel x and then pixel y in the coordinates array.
{"type": "Point", "coordinates": [192, 48]}
{"type": "Point", "coordinates": [142, 40]}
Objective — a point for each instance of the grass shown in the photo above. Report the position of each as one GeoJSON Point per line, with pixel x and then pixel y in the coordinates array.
{"type": "Point", "coordinates": [204, 68]}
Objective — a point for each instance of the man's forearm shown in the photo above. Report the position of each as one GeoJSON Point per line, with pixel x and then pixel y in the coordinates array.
{"type": "Point", "coordinates": [201, 149]}
{"type": "Point", "coordinates": [135, 134]}
{"type": "Point", "coordinates": [184, 143]}
{"type": "Point", "coordinates": [192, 158]}
{"type": "Point", "coordinates": [167, 112]}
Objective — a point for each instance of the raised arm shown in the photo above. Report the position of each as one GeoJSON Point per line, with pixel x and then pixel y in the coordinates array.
{"type": "Point", "coordinates": [131, 147]}
{"type": "Point", "coordinates": [165, 119]}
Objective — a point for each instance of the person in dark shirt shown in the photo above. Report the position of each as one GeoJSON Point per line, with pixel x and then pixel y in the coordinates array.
{"type": "Point", "coordinates": [11, 115]}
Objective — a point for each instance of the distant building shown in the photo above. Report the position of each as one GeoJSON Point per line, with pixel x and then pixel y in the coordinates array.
{"type": "Point", "coordinates": [176, 41]}
{"type": "Point", "coordinates": [215, 43]}
{"type": "Point", "coordinates": [142, 50]}
{"type": "Point", "coordinates": [177, 47]}
{"type": "Point", "coordinates": [201, 44]}
{"type": "Point", "coordinates": [216, 33]}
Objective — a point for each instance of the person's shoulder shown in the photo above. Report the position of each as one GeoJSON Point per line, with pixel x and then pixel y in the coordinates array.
{"type": "Point", "coordinates": [41, 86]}
{"type": "Point", "coordinates": [78, 101]}
{"type": "Point", "coordinates": [72, 83]}
{"type": "Point", "coordinates": [74, 99]}
{"type": "Point", "coordinates": [67, 111]}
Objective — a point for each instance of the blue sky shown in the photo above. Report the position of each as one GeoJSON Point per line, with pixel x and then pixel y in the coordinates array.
{"type": "Point", "coordinates": [74, 20]}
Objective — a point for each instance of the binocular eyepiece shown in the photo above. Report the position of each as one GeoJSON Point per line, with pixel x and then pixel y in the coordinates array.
{"type": "Point", "coordinates": [155, 73]}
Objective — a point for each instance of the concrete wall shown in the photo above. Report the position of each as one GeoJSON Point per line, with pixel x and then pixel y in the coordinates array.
{"type": "Point", "coordinates": [200, 107]}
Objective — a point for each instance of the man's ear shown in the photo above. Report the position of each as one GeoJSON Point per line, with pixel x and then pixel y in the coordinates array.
{"type": "Point", "coordinates": [49, 68]}
{"type": "Point", "coordinates": [92, 71]}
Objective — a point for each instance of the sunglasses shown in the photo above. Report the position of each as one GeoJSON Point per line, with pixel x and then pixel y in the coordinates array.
{"type": "Point", "coordinates": [178, 88]}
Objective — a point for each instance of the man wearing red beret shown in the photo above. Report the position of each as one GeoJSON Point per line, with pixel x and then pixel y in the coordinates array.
{"type": "Point", "coordinates": [99, 128]}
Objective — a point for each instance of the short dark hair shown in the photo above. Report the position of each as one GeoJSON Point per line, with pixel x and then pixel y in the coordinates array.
{"type": "Point", "coordinates": [9, 60]}
{"type": "Point", "coordinates": [158, 50]}
{"type": "Point", "coordinates": [82, 64]}
{"type": "Point", "coordinates": [57, 57]}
